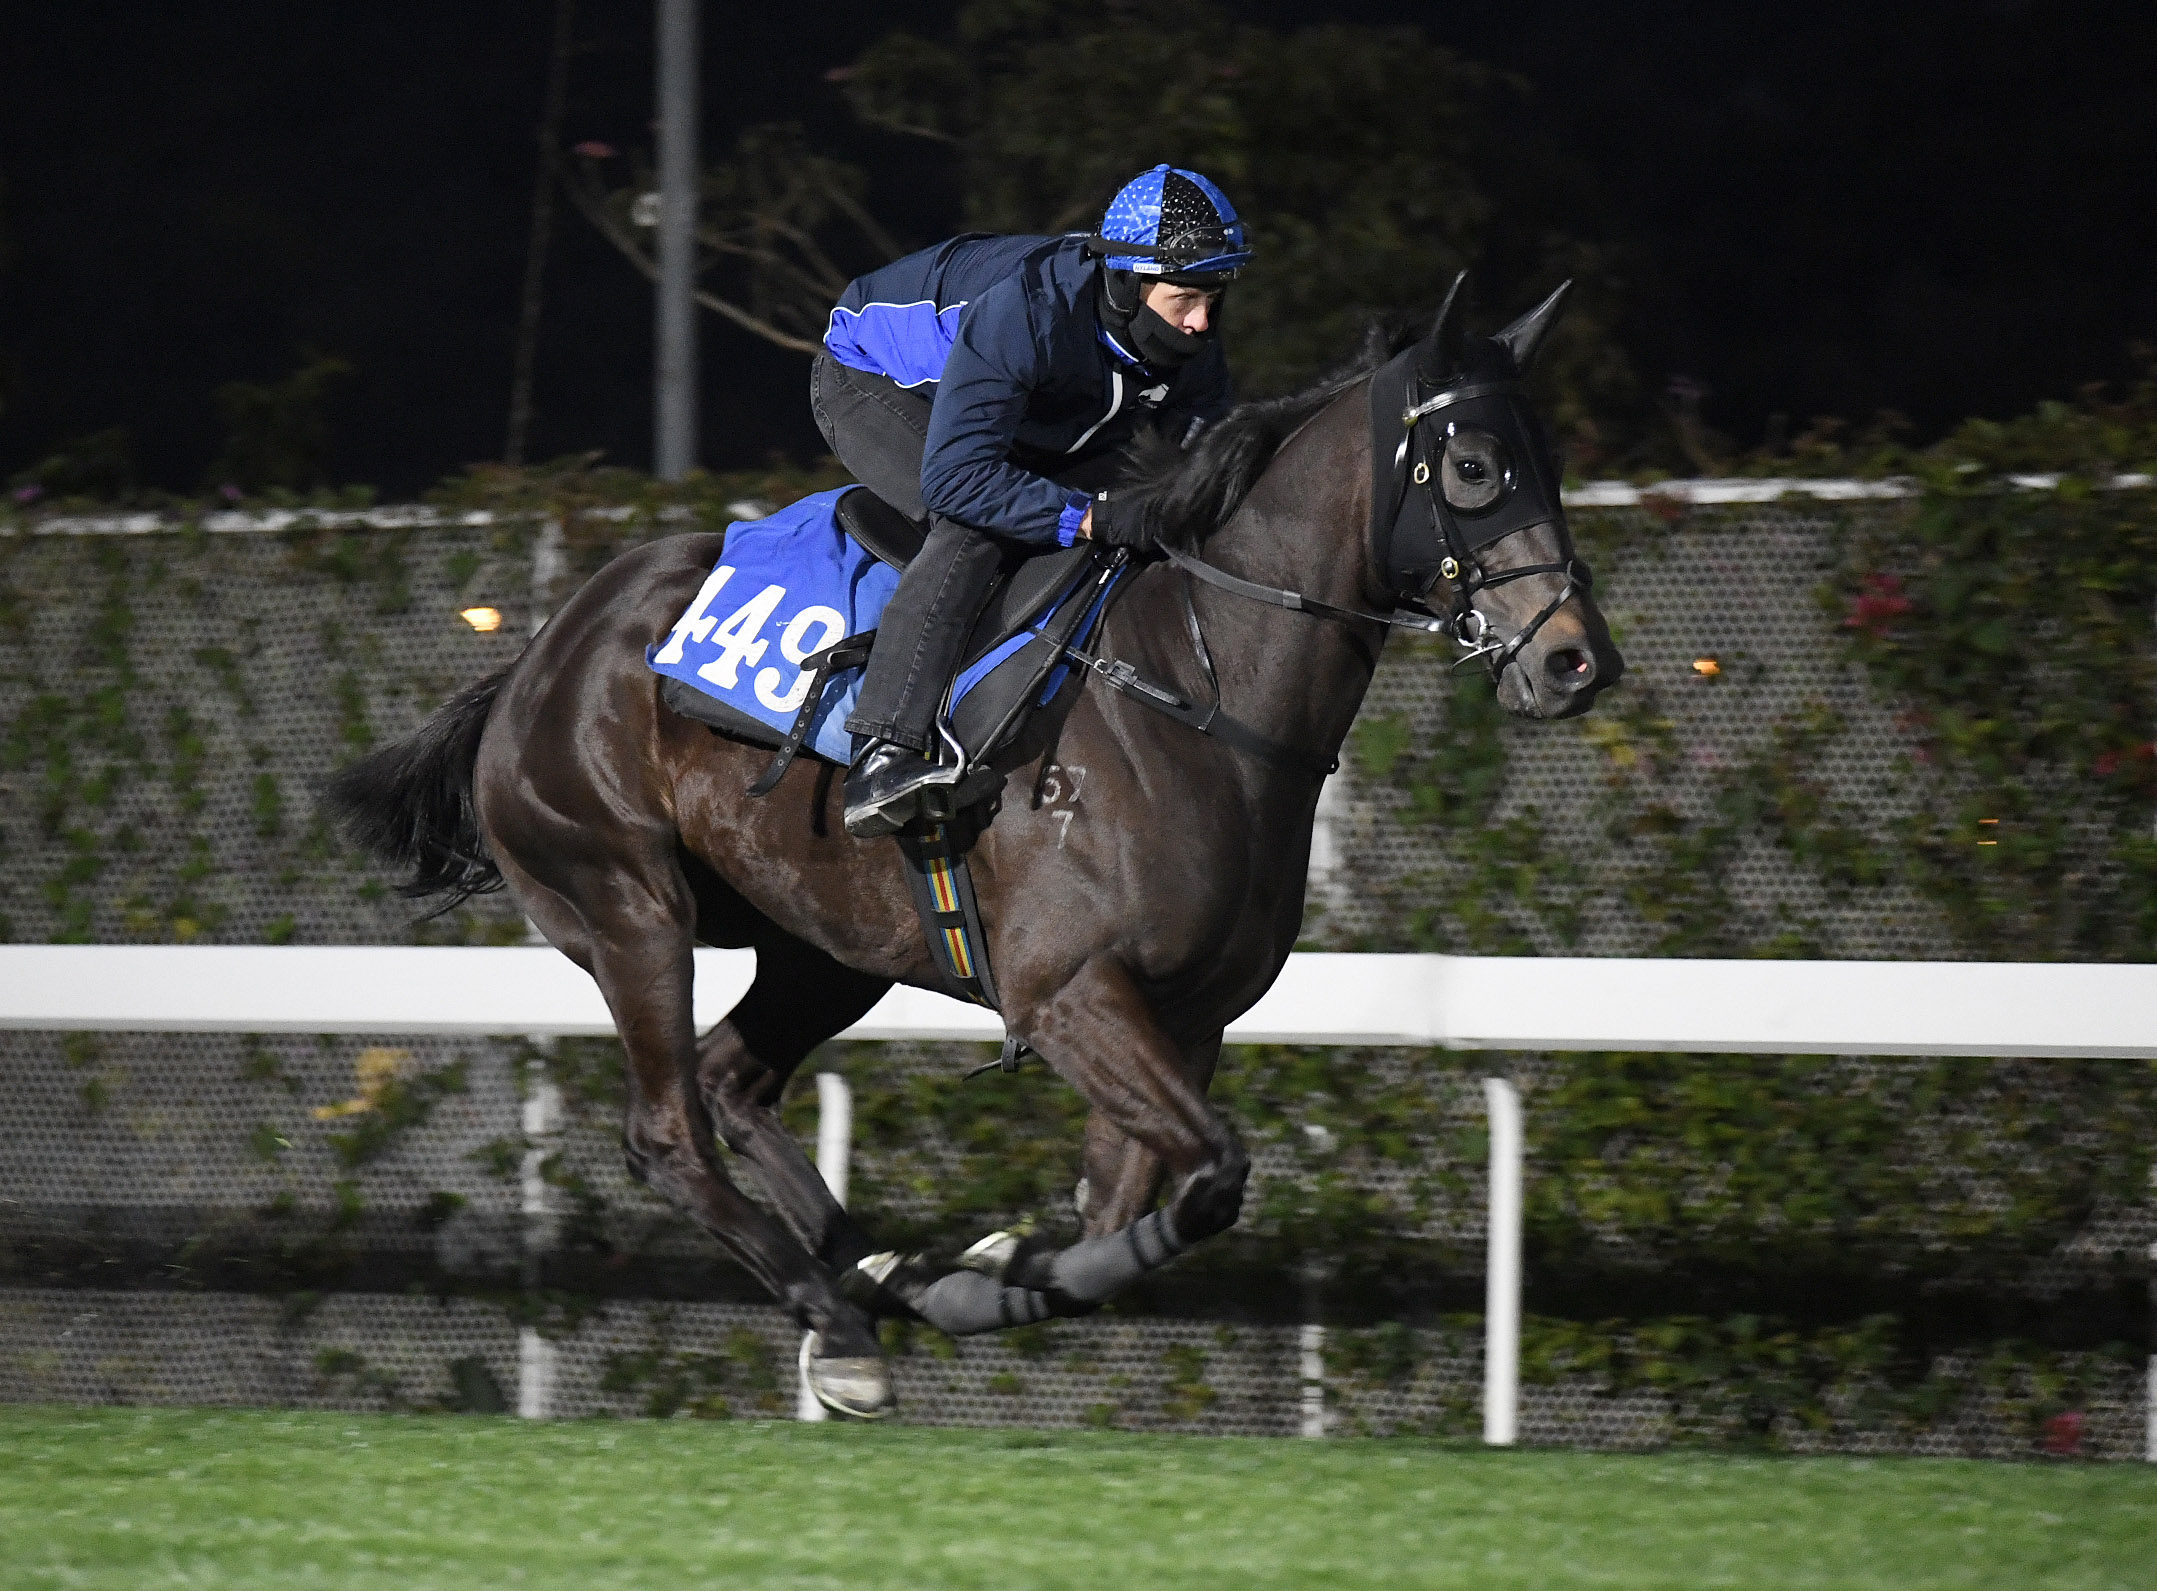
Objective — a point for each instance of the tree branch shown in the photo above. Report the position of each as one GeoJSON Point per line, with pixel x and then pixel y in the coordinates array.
{"type": "Point", "coordinates": [879, 239]}
{"type": "Point", "coordinates": [594, 209]}
{"type": "Point", "coordinates": [894, 125]}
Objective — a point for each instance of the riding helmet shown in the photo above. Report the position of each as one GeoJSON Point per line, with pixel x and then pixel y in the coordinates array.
{"type": "Point", "coordinates": [1173, 224]}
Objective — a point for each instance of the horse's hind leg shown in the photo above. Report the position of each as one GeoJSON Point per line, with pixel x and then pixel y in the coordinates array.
{"type": "Point", "coordinates": [800, 998]}
{"type": "Point", "coordinates": [631, 931]}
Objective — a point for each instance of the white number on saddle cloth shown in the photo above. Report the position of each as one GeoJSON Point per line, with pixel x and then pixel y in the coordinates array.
{"type": "Point", "coordinates": [796, 647]}
{"type": "Point", "coordinates": [736, 639]}
{"type": "Point", "coordinates": [696, 623]}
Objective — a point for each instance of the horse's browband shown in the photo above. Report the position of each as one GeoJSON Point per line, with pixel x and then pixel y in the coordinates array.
{"type": "Point", "coordinates": [1474, 389]}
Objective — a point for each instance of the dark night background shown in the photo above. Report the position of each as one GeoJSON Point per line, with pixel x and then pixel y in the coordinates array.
{"type": "Point", "coordinates": [1827, 209]}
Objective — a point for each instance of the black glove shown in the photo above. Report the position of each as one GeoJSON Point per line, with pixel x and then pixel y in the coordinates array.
{"type": "Point", "coordinates": [1127, 519]}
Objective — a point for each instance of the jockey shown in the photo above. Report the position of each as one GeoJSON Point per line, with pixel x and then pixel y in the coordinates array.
{"type": "Point", "coordinates": [988, 386]}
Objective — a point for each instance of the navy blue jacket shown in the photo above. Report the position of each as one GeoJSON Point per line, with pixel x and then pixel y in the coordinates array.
{"type": "Point", "coordinates": [1009, 332]}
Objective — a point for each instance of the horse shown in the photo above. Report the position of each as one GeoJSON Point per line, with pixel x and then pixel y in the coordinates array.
{"type": "Point", "coordinates": [1140, 887]}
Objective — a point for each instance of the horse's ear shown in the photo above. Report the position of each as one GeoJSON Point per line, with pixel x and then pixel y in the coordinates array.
{"type": "Point", "coordinates": [1525, 335]}
{"type": "Point", "coordinates": [1442, 349]}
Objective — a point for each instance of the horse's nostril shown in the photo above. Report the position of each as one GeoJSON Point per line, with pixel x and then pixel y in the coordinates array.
{"type": "Point", "coordinates": [1570, 667]}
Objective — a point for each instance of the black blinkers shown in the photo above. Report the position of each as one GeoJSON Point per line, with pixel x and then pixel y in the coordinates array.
{"type": "Point", "coordinates": [1454, 472]}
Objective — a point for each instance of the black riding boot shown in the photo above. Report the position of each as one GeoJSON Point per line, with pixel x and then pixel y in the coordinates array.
{"type": "Point", "coordinates": [919, 644]}
{"type": "Point", "coordinates": [883, 787]}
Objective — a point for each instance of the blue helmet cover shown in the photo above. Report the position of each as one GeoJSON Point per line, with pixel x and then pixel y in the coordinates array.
{"type": "Point", "coordinates": [1135, 215]}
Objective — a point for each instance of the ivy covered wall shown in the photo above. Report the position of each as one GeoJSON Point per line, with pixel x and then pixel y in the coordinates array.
{"type": "Point", "coordinates": [1914, 727]}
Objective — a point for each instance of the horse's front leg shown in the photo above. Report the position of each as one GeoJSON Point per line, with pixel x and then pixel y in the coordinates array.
{"type": "Point", "coordinates": [1121, 1176]}
{"type": "Point", "coordinates": [1099, 1033]}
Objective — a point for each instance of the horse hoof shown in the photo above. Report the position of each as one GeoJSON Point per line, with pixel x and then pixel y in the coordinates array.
{"type": "Point", "coordinates": [992, 1256]}
{"type": "Point", "coordinates": [859, 1388]}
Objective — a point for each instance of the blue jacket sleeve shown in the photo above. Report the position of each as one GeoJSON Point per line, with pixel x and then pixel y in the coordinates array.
{"type": "Point", "coordinates": [966, 470]}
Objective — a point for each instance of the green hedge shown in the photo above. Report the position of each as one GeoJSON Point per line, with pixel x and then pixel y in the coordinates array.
{"type": "Point", "coordinates": [1764, 1227]}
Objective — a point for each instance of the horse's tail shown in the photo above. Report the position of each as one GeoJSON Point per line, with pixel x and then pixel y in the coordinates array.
{"type": "Point", "coordinates": [411, 804]}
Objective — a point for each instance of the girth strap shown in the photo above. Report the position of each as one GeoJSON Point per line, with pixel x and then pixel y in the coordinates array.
{"type": "Point", "coordinates": [943, 888]}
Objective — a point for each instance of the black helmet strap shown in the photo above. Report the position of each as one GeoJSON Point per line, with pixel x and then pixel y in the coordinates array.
{"type": "Point", "coordinates": [1121, 294]}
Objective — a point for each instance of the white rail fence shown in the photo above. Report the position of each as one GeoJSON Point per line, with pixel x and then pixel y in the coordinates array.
{"type": "Point", "coordinates": [2063, 1010]}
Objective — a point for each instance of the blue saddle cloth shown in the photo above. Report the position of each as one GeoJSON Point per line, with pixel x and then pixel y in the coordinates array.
{"type": "Point", "coordinates": [785, 588]}
{"type": "Point", "coordinates": [790, 585]}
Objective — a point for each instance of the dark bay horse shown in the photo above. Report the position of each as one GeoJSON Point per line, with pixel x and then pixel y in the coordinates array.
{"type": "Point", "coordinates": [1141, 887]}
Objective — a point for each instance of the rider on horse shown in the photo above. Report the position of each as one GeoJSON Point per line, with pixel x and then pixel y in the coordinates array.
{"type": "Point", "coordinates": [989, 386]}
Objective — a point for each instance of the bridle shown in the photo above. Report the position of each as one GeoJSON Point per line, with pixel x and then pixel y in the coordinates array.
{"type": "Point", "coordinates": [1416, 538]}
{"type": "Point", "coordinates": [1419, 538]}
{"type": "Point", "coordinates": [1415, 551]}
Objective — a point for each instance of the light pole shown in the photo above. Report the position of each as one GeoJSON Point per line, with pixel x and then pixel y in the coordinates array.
{"type": "Point", "coordinates": [675, 418]}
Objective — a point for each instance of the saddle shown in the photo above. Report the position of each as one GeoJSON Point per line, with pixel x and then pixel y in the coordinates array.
{"type": "Point", "coordinates": [889, 534]}
{"type": "Point", "coordinates": [833, 560]}
{"type": "Point", "coordinates": [1021, 613]}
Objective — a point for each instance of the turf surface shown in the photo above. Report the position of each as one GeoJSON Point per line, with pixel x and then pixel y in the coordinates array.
{"type": "Point", "coordinates": [139, 1498]}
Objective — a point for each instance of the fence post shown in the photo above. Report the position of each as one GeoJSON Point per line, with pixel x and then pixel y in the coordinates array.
{"type": "Point", "coordinates": [1311, 1366]}
{"type": "Point", "coordinates": [834, 1144]}
{"type": "Point", "coordinates": [537, 1357]}
{"type": "Point", "coordinates": [1326, 877]}
{"type": "Point", "coordinates": [834, 1132]}
{"type": "Point", "coordinates": [1501, 1286]}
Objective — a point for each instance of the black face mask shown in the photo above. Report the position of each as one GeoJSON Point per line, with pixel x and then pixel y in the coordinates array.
{"type": "Point", "coordinates": [1162, 345]}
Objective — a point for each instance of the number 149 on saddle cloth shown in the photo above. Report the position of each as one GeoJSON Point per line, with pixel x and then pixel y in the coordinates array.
{"type": "Point", "coordinates": [785, 588]}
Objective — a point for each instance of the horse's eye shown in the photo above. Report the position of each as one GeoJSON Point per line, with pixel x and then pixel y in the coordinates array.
{"type": "Point", "coordinates": [1478, 470]}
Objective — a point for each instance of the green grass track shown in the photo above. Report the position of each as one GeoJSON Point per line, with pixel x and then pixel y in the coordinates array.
{"type": "Point", "coordinates": [153, 1498]}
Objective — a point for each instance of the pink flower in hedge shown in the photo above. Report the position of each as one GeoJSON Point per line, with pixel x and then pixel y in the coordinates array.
{"type": "Point", "coordinates": [2108, 762]}
{"type": "Point", "coordinates": [1878, 605]}
{"type": "Point", "coordinates": [28, 494]}
{"type": "Point", "coordinates": [230, 493]}
{"type": "Point", "coordinates": [1663, 506]}
{"type": "Point", "coordinates": [593, 149]}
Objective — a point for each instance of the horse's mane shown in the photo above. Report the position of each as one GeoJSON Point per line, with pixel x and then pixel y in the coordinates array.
{"type": "Point", "coordinates": [1200, 486]}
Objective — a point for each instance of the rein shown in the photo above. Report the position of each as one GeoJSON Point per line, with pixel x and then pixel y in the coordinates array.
{"type": "Point", "coordinates": [1297, 602]}
{"type": "Point", "coordinates": [1208, 720]}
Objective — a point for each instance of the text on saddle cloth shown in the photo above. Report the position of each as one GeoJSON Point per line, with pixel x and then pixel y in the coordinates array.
{"type": "Point", "coordinates": [785, 588]}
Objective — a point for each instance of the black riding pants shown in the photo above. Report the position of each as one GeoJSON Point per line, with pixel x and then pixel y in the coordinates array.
{"type": "Point", "coordinates": [878, 428]}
